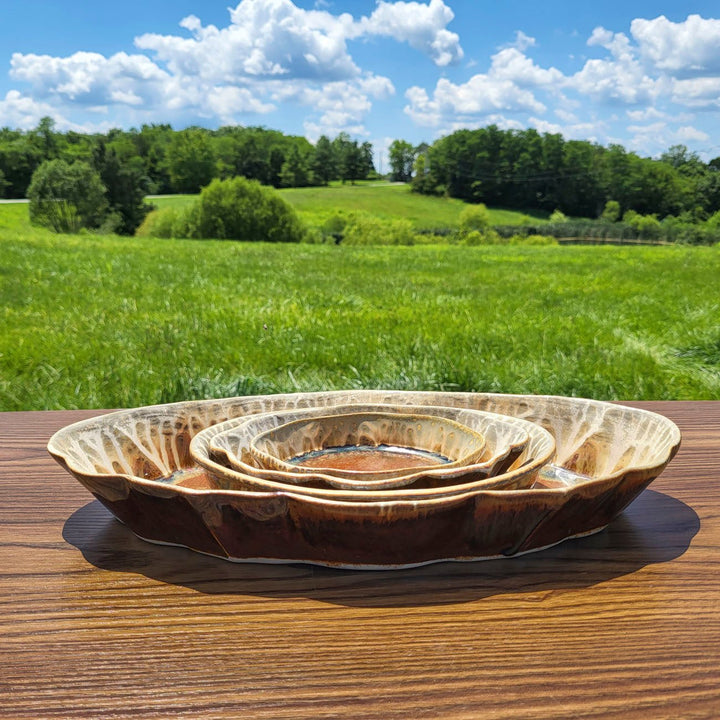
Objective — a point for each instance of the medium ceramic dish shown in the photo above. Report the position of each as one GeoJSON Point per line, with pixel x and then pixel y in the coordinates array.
{"type": "Point", "coordinates": [370, 449]}
{"type": "Point", "coordinates": [133, 460]}
{"type": "Point", "coordinates": [514, 451]}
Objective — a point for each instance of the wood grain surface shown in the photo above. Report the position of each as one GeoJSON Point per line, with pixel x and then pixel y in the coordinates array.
{"type": "Point", "coordinates": [95, 623]}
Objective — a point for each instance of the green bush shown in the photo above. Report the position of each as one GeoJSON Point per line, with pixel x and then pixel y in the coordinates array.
{"type": "Point", "coordinates": [66, 197]}
{"type": "Point", "coordinates": [366, 229]}
{"type": "Point", "coordinates": [558, 216]}
{"type": "Point", "coordinates": [242, 209]}
{"type": "Point", "coordinates": [233, 209]}
{"type": "Point", "coordinates": [474, 217]}
{"type": "Point", "coordinates": [611, 213]}
{"type": "Point", "coordinates": [488, 237]}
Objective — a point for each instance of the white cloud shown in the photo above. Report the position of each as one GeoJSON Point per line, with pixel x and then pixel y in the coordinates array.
{"type": "Point", "coordinates": [270, 52]}
{"type": "Point", "coordinates": [90, 78]}
{"type": "Point", "coordinates": [265, 39]}
{"type": "Point", "coordinates": [565, 116]}
{"type": "Point", "coordinates": [688, 134]}
{"type": "Point", "coordinates": [619, 79]}
{"type": "Point", "coordinates": [523, 41]}
{"type": "Point", "coordinates": [19, 111]}
{"type": "Point", "coordinates": [481, 95]}
{"type": "Point", "coordinates": [506, 88]}
{"type": "Point", "coordinates": [701, 93]}
{"type": "Point", "coordinates": [513, 65]}
{"type": "Point", "coordinates": [423, 27]}
{"type": "Point", "coordinates": [342, 106]}
{"type": "Point", "coordinates": [687, 48]}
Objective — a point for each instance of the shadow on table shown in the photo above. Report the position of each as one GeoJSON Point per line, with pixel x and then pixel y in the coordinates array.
{"type": "Point", "coordinates": [656, 528]}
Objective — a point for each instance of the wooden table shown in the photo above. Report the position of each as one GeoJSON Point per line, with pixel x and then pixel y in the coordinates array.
{"type": "Point", "coordinates": [96, 623]}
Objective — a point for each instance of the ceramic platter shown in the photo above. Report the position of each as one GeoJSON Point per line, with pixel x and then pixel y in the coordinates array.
{"type": "Point", "coordinates": [138, 464]}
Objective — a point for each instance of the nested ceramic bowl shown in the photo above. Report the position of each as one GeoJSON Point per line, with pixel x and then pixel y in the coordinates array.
{"type": "Point", "coordinates": [369, 449]}
{"type": "Point", "coordinates": [137, 463]}
{"type": "Point", "coordinates": [515, 449]}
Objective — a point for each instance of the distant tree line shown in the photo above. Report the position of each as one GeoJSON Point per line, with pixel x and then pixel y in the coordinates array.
{"type": "Point", "coordinates": [524, 169]}
{"type": "Point", "coordinates": [157, 159]}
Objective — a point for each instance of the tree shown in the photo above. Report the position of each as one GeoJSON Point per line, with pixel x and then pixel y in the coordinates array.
{"type": "Point", "coordinates": [367, 166]}
{"type": "Point", "coordinates": [126, 185]}
{"type": "Point", "coordinates": [402, 157]}
{"type": "Point", "coordinates": [294, 171]}
{"type": "Point", "coordinates": [66, 197]}
{"type": "Point", "coordinates": [324, 167]}
{"type": "Point", "coordinates": [45, 138]}
{"type": "Point", "coordinates": [190, 160]}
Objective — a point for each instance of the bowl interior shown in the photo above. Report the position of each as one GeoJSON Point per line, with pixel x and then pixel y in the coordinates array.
{"type": "Point", "coordinates": [367, 445]}
{"type": "Point", "coordinates": [514, 450]}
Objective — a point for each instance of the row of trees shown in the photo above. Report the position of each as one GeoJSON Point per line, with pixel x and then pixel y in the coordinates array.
{"type": "Point", "coordinates": [528, 170]}
{"type": "Point", "coordinates": [158, 159]}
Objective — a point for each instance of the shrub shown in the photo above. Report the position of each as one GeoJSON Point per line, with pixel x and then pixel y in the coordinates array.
{"type": "Point", "coordinates": [66, 197]}
{"type": "Point", "coordinates": [474, 217]}
{"type": "Point", "coordinates": [611, 213]}
{"type": "Point", "coordinates": [558, 216]}
{"type": "Point", "coordinates": [366, 229]}
{"type": "Point", "coordinates": [488, 237]}
{"type": "Point", "coordinates": [242, 209]}
{"type": "Point", "coordinates": [234, 209]}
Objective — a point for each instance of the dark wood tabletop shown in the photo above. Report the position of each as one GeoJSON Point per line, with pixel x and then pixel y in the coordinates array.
{"type": "Point", "coordinates": [96, 623]}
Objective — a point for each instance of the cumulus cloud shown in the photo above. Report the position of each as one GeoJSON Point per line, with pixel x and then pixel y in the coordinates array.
{"type": "Point", "coordinates": [688, 134]}
{"type": "Point", "coordinates": [90, 78]}
{"type": "Point", "coordinates": [620, 79]}
{"type": "Point", "coordinates": [265, 39]}
{"type": "Point", "coordinates": [506, 87]}
{"type": "Point", "coordinates": [270, 50]}
{"type": "Point", "coordinates": [19, 111]}
{"type": "Point", "coordinates": [513, 65]}
{"type": "Point", "coordinates": [700, 93]}
{"type": "Point", "coordinates": [423, 27]}
{"type": "Point", "coordinates": [687, 48]}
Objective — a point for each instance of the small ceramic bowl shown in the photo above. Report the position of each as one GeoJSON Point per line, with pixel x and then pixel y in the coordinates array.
{"type": "Point", "coordinates": [514, 451]}
{"type": "Point", "coordinates": [371, 449]}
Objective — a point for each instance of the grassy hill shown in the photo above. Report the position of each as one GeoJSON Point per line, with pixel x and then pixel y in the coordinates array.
{"type": "Point", "coordinates": [105, 321]}
{"type": "Point", "coordinates": [384, 200]}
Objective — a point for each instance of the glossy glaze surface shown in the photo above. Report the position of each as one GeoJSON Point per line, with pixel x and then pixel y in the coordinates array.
{"type": "Point", "coordinates": [606, 455]}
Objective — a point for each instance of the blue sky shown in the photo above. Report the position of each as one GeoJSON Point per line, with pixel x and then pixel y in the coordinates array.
{"type": "Point", "coordinates": [642, 74]}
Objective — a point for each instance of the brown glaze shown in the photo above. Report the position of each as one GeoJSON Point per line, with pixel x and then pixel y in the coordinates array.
{"type": "Point", "coordinates": [622, 450]}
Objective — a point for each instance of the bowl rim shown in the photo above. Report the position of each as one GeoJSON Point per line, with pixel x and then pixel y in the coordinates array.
{"type": "Point", "coordinates": [406, 418]}
{"type": "Point", "coordinates": [59, 453]}
{"type": "Point", "coordinates": [263, 479]}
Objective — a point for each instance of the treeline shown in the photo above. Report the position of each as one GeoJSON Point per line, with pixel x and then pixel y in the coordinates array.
{"type": "Point", "coordinates": [162, 160]}
{"type": "Point", "coordinates": [527, 170]}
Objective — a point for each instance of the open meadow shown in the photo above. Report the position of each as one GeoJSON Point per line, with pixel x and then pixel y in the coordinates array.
{"type": "Point", "coordinates": [384, 200]}
{"type": "Point", "coordinates": [102, 321]}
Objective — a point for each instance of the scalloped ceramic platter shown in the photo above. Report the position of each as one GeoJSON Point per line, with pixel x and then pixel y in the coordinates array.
{"type": "Point", "coordinates": [137, 463]}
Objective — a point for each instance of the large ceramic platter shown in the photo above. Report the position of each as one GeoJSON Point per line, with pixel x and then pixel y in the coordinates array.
{"type": "Point", "coordinates": [137, 463]}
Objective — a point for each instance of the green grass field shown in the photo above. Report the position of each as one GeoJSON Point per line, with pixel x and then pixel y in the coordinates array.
{"type": "Point", "coordinates": [384, 200]}
{"type": "Point", "coordinates": [91, 321]}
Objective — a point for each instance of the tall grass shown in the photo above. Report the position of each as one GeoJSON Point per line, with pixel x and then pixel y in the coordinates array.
{"type": "Point", "coordinates": [90, 321]}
